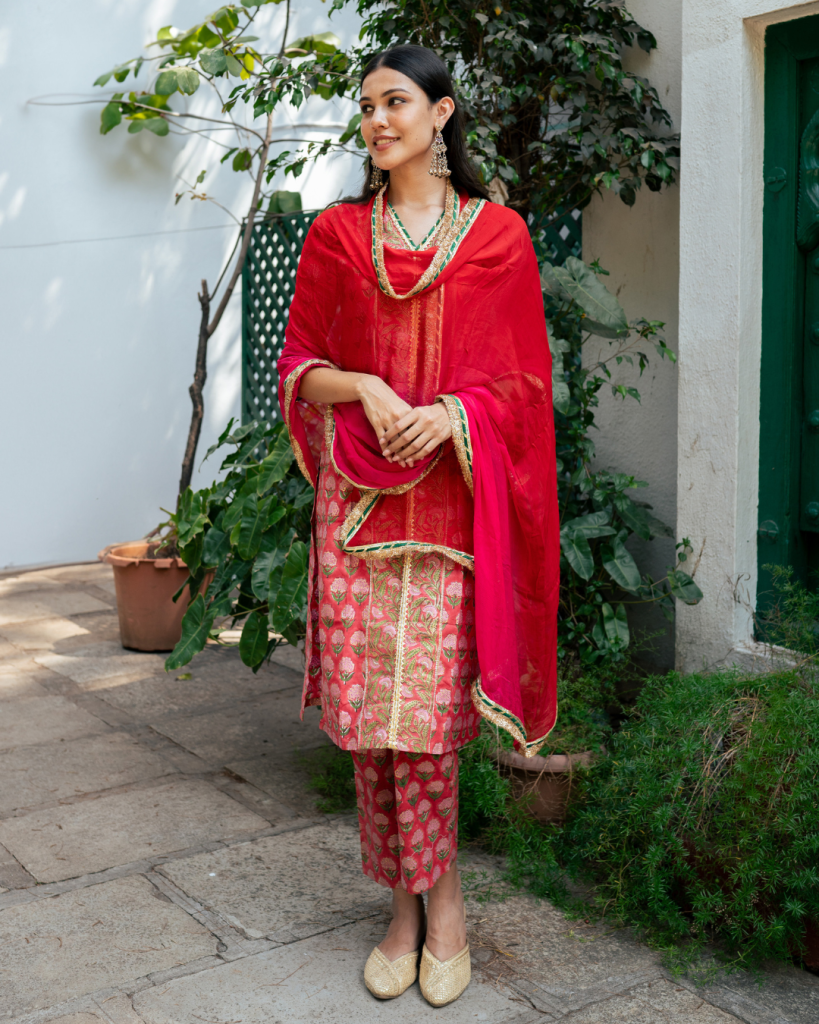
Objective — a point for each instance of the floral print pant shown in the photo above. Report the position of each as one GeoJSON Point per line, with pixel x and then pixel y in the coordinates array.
{"type": "Point", "coordinates": [408, 816]}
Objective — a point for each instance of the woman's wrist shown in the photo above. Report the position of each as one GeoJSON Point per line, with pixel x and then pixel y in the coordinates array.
{"type": "Point", "coordinates": [362, 385]}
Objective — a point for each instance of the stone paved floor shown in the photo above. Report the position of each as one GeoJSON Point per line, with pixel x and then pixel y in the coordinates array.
{"type": "Point", "coordinates": [161, 860]}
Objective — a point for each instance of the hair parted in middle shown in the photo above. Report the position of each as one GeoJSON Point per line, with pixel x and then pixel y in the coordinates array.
{"type": "Point", "coordinates": [428, 71]}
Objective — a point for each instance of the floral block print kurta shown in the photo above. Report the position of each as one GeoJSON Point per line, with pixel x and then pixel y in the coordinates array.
{"type": "Point", "coordinates": [390, 651]}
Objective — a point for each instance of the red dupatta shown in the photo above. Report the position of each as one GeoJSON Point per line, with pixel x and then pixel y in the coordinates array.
{"type": "Point", "coordinates": [474, 338]}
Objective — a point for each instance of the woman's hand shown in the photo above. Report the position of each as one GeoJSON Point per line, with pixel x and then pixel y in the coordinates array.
{"type": "Point", "coordinates": [416, 434]}
{"type": "Point", "coordinates": [382, 407]}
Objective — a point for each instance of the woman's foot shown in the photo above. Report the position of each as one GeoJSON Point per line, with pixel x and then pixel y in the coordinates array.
{"type": "Point", "coordinates": [446, 917]}
{"type": "Point", "coordinates": [406, 931]}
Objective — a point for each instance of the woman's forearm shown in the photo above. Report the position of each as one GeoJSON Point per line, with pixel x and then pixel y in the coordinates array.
{"type": "Point", "coordinates": [329, 386]}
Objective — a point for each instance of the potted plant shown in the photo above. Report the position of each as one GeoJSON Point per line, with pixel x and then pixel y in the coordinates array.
{"type": "Point", "coordinates": [589, 708]}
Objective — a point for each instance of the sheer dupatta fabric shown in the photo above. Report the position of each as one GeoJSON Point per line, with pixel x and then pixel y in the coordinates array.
{"type": "Point", "coordinates": [475, 339]}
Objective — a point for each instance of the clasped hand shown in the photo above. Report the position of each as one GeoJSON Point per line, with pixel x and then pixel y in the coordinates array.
{"type": "Point", "coordinates": [406, 434]}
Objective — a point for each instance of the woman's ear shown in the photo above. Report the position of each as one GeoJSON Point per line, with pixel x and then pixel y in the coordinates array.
{"type": "Point", "coordinates": [444, 109]}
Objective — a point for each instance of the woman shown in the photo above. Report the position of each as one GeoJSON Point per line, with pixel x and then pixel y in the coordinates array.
{"type": "Point", "coordinates": [416, 386]}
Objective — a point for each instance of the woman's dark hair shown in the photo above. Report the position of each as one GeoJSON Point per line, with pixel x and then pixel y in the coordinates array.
{"type": "Point", "coordinates": [429, 73]}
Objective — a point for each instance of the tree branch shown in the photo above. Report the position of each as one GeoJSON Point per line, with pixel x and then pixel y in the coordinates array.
{"type": "Point", "coordinates": [254, 205]}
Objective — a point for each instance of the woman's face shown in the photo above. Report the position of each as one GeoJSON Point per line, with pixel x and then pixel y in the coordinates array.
{"type": "Point", "coordinates": [398, 121]}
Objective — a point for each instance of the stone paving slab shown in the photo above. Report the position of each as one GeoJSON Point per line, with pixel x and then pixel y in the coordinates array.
{"type": "Point", "coordinates": [166, 694]}
{"type": "Point", "coordinates": [241, 731]}
{"type": "Point", "coordinates": [47, 773]}
{"type": "Point", "coordinates": [319, 979]}
{"type": "Point", "coordinates": [78, 839]}
{"type": "Point", "coordinates": [41, 634]}
{"type": "Point", "coordinates": [100, 661]}
{"type": "Point", "coordinates": [282, 775]}
{"type": "Point", "coordinates": [655, 1001]}
{"type": "Point", "coordinates": [49, 719]}
{"type": "Point", "coordinates": [284, 887]}
{"type": "Point", "coordinates": [12, 873]}
{"type": "Point", "coordinates": [45, 604]}
{"type": "Point", "coordinates": [586, 962]}
{"type": "Point", "coordinates": [787, 996]}
{"type": "Point", "coordinates": [23, 683]}
{"type": "Point", "coordinates": [10, 586]}
{"type": "Point", "coordinates": [60, 948]}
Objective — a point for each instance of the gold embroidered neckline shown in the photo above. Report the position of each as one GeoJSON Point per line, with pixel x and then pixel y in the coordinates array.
{"type": "Point", "coordinates": [453, 232]}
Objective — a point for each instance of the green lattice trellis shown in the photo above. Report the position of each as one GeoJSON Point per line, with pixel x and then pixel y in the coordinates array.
{"type": "Point", "coordinates": [268, 280]}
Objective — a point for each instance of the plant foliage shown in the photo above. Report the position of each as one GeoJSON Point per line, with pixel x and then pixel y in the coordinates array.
{"type": "Point", "coordinates": [599, 576]}
{"type": "Point", "coordinates": [550, 110]}
{"type": "Point", "coordinates": [703, 823]}
{"type": "Point", "coordinates": [246, 532]}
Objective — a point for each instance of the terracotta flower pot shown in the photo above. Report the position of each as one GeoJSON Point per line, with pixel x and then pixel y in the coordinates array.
{"type": "Point", "coordinates": [548, 779]}
{"type": "Point", "coordinates": [148, 618]}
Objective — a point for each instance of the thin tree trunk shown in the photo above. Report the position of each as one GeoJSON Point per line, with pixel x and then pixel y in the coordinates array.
{"type": "Point", "coordinates": [208, 326]}
{"type": "Point", "coordinates": [200, 375]}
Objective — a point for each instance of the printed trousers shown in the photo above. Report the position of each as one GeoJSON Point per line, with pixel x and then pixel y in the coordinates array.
{"type": "Point", "coordinates": [408, 816]}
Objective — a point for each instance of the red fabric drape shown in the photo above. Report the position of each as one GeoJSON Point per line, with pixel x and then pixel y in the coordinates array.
{"type": "Point", "coordinates": [477, 333]}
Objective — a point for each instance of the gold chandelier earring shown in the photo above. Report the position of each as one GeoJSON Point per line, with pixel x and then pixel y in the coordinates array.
{"type": "Point", "coordinates": [439, 167]}
{"type": "Point", "coordinates": [376, 180]}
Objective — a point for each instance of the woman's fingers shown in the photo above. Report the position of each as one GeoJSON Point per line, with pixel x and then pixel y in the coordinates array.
{"type": "Point", "coordinates": [400, 425]}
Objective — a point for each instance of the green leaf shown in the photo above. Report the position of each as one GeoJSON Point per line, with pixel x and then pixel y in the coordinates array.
{"type": "Point", "coordinates": [285, 202]}
{"type": "Point", "coordinates": [264, 565]}
{"type": "Point", "coordinates": [233, 66]}
{"type": "Point", "coordinates": [615, 624]}
{"type": "Point", "coordinates": [275, 465]}
{"type": "Point", "coordinates": [683, 587]}
{"type": "Point", "coordinates": [604, 314]}
{"type": "Point", "coordinates": [213, 61]}
{"type": "Point", "coordinates": [247, 534]}
{"type": "Point", "coordinates": [589, 526]}
{"type": "Point", "coordinates": [292, 594]}
{"type": "Point", "coordinates": [619, 564]}
{"type": "Point", "coordinates": [561, 397]}
{"type": "Point", "coordinates": [321, 42]}
{"type": "Point", "coordinates": [196, 624]}
{"type": "Point", "coordinates": [578, 554]}
{"type": "Point", "coordinates": [352, 128]}
{"type": "Point", "coordinates": [166, 83]}
{"type": "Point", "coordinates": [215, 548]}
{"type": "Point", "coordinates": [243, 160]}
{"type": "Point", "coordinates": [110, 117]}
{"type": "Point", "coordinates": [253, 641]}
{"type": "Point", "coordinates": [551, 283]}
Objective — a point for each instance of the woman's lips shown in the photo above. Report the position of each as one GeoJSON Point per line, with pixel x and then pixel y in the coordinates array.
{"type": "Point", "coordinates": [383, 142]}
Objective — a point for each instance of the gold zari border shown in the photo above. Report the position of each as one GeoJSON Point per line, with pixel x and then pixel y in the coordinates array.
{"type": "Point", "coordinates": [449, 242]}
{"type": "Point", "coordinates": [290, 382]}
{"type": "Point", "coordinates": [358, 515]}
{"type": "Point", "coordinates": [504, 719]}
{"type": "Point", "coordinates": [459, 424]}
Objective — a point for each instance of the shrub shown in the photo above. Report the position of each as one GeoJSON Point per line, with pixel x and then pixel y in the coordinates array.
{"type": "Point", "coordinates": [703, 823]}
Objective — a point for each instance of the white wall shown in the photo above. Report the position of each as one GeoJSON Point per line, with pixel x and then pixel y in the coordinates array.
{"type": "Point", "coordinates": [100, 272]}
{"type": "Point", "coordinates": [720, 316]}
{"type": "Point", "coordinates": [639, 246]}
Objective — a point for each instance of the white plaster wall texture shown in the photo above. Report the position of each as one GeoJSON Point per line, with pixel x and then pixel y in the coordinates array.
{"type": "Point", "coordinates": [99, 337]}
{"type": "Point", "coordinates": [639, 246]}
{"type": "Point", "coordinates": [720, 315]}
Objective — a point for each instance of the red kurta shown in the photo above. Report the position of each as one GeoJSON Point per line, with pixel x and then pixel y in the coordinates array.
{"type": "Point", "coordinates": [474, 338]}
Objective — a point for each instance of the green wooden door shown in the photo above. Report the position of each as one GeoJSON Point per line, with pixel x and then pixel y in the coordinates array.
{"type": "Point", "coordinates": [789, 411]}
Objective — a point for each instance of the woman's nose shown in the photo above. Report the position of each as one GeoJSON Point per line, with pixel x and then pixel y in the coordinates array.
{"type": "Point", "coordinates": [379, 118]}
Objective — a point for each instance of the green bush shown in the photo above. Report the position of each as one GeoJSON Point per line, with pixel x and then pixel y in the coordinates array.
{"type": "Point", "coordinates": [703, 822]}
